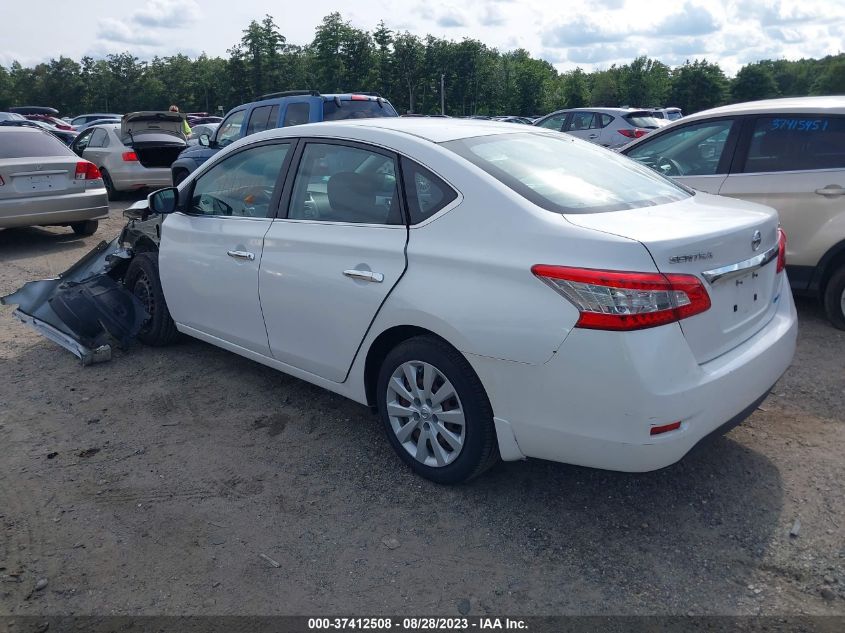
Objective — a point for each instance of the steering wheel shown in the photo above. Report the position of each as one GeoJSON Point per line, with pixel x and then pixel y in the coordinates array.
{"type": "Point", "coordinates": [668, 166]}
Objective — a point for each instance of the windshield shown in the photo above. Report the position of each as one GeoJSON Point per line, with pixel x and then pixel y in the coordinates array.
{"type": "Point", "coordinates": [565, 175]}
{"type": "Point", "coordinates": [350, 109]}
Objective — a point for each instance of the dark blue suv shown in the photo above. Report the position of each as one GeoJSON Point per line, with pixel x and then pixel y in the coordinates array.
{"type": "Point", "coordinates": [279, 109]}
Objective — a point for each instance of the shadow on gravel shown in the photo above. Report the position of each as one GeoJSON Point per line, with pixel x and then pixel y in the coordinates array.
{"type": "Point", "coordinates": [27, 242]}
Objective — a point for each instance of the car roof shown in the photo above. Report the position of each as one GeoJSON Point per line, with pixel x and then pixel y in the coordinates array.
{"type": "Point", "coordinates": [436, 130]}
{"type": "Point", "coordinates": [771, 106]}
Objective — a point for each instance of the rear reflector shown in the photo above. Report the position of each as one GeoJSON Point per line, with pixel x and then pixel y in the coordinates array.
{"type": "Point", "coordinates": [634, 133]}
{"type": "Point", "coordinates": [781, 249]}
{"type": "Point", "coordinates": [86, 171]}
{"type": "Point", "coordinates": [657, 430]}
{"type": "Point", "coordinates": [615, 300]}
{"type": "Point", "coordinates": [130, 156]}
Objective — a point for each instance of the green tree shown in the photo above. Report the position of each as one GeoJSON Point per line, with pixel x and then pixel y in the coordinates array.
{"type": "Point", "coordinates": [698, 85]}
{"type": "Point", "coordinates": [408, 57]}
{"type": "Point", "coordinates": [575, 90]}
{"type": "Point", "coordinates": [753, 82]}
{"type": "Point", "coordinates": [832, 80]}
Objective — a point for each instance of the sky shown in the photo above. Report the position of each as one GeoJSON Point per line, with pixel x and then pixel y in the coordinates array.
{"type": "Point", "coordinates": [565, 33]}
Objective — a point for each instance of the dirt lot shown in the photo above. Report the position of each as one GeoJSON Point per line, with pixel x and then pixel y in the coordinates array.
{"type": "Point", "coordinates": [152, 485]}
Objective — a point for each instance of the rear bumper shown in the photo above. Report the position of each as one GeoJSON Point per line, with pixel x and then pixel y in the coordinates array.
{"type": "Point", "coordinates": [60, 209]}
{"type": "Point", "coordinates": [595, 402]}
{"type": "Point", "coordinates": [131, 176]}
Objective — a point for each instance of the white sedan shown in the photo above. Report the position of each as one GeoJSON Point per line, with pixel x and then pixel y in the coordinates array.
{"type": "Point", "coordinates": [492, 292]}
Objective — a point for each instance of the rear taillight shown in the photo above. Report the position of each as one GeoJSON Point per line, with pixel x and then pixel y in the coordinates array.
{"type": "Point", "coordinates": [130, 156]}
{"type": "Point", "coordinates": [781, 249]}
{"type": "Point", "coordinates": [614, 300]}
{"type": "Point", "coordinates": [634, 133]}
{"type": "Point", "coordinates": [87, 171]}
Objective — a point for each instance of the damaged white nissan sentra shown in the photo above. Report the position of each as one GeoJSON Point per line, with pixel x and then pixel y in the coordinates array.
{"type": "Point", "coordinates": [492, 292]}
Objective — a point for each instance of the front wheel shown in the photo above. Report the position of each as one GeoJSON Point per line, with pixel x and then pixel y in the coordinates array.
{"type": "Point", "coordinates": [834, 299]}
{"type": "Point", "coordinates": [435, 411]}
{"type": "Point", "coordinates": [142, 280]}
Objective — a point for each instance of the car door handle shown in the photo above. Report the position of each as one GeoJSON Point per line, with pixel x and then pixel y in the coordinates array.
{"type": "Point", "coordinates": [593, 136]}
{"type": "Point", "coordinates": [831, 190]}
{"type": "Point", "coordinates": [364, 275]}
{"type": "Point", "coordinates": [241, 255]}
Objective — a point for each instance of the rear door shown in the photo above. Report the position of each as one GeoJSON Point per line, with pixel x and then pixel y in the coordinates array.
{"type": "Point", "coordinates": [697, 154]}
{"type": "Point", "coordinates": [210, 251]}
{"type": "Point", "coordinates": [97, 147]}
{"type": "Point", "coordinates": [584, 125]}
{"type": "Point", "coordinates": [334, 256]}
{"type": "Point", "coordinates": [796, 164]}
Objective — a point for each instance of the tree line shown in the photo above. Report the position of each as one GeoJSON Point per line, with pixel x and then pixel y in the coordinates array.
{"type": "Point", "coordinates": [404, 68]}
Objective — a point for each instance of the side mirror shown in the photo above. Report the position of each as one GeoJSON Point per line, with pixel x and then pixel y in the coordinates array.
{"type": "Point", "coordinates": [205, 140]}
{"type": "Point", "coordinates": [164, 200]}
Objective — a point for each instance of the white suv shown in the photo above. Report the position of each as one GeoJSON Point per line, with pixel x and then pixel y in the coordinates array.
{"type": "Point", "coordinates": [785, 153]}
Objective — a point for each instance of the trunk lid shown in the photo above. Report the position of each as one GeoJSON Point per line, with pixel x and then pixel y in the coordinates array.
{"type": "Point", "coordinates": [709, 237]}
{"type": "Point", "coordinates": [136, 123]}
{"type": "Point", "coordinates": [34, 177]}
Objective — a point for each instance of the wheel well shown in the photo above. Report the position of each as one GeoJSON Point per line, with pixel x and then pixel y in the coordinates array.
{"type": "Point", "coordinates": [144, 245]}
{"type": "Point", "coordinates": [835, 259]}
{"type": "Point", "coordinates": [379, 350]}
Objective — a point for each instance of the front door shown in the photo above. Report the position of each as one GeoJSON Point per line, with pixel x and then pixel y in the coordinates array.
{"type": "Point", "coordinates": [210, 251]}
{"type": "Point", "coordinates": [331, 262]}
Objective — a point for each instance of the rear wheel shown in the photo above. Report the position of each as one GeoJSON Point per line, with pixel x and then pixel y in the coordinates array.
{"type": "Point", "coordinates": [88, 227]}
{"type": "Point", "coordinates": [113, 193]}
{"type": "Point", "coordinates": [142, 280]}
{"type": "Point", "coordinates": [435, 411]}
{"type": "Point", "coordinates": [834, 299]}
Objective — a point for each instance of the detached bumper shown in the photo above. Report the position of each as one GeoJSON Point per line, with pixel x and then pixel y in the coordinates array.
{"type": "Point", "coordinates": [85, 310]}
{"type": "Point", "coordinates": [595, 402]}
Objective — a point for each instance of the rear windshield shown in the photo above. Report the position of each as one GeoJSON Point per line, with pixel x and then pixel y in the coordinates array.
{"type": "Point", "coordinates": [642, 119]}
{"type": "Point", "coordinates": [561, 174]}
{"type": "Point", "coordinates": [356, 110]}
{"type": "Point", "coordinates": [26, 143]}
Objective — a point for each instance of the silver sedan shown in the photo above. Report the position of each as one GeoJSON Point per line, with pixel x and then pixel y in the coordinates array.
{"type": "Point", "coordinates": [43, 183]}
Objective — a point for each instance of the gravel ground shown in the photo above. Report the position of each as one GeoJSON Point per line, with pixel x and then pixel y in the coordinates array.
{"type": "Point", "coordinates": [154, 484]}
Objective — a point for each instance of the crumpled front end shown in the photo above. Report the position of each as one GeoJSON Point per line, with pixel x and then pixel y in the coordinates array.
{"type": "Point", "coordinates": [85, 309]}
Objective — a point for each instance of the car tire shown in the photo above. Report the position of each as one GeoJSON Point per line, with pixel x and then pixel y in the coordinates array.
{"type": "Point", "coordinates": [88, 227]}
{"type": "Point", "coordinates": [142, 280]}
{"type": "Point", "coordinates": [113, 193]}
{"type": "Point", "coordinates": [179, 175]}
{"type": "Point", "coordinates": [834, 298]}
{"type": "Point", "coordinates": [470, 448]}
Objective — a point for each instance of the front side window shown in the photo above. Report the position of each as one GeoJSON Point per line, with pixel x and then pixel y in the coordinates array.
{"type": "Point", "coordinates": [258, 120]}
{"type": "Point", "coordinates": [553, 122]}
{"type": "Point", "coordinates": [796, 142]}
{"type": "Point", "coordinates": [692, 150]}
{"type": "Point", "coordinates": [339, 183]}
{"type": "Point", "coordinates": [81, 141]}
{"type": "Point", "coordinates": [241, 185]}
{"type": "Point", "coordinates": [426, 193]}
{"type": "Point", "coordinates": [559, 174]}
{"type": "Point", "coordinates": [230, 130]}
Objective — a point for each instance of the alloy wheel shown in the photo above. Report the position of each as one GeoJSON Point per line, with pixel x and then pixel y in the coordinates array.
{"type": "Point", "coordinates": [425, 413]}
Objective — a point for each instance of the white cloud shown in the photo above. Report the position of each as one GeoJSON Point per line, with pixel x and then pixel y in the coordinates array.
{"type": "Point", "coordinates": [113, 30]}
{"type": "Point", "coordinates": [167, 14]}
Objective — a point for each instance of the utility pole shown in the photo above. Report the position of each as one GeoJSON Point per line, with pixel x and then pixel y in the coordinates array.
{"type": "Point", "coordinates": [442, 95]}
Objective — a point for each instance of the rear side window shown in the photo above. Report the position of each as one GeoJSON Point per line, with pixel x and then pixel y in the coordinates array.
{"type": "Point", "coordinates": [796, 142]}
{"type": "Point", "coordinates": [356, 109]}
{"type": "Point", "coordinates": [26, 143]}
{"type": "Point", "coordinates": [559, 174]}
{"type": "Point", "coordinates": [426, 193]}
{"type": "Point", "coordinates": [606, 119]}
{"type": "Point", "coordinates": [553, 122]}
{"type": "Point", "coordinates": [296, 114]}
